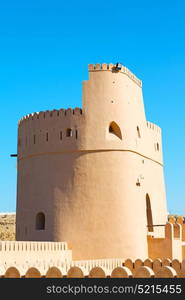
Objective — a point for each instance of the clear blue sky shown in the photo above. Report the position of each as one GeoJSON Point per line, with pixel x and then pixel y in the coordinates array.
{"type": "Point", "coordinates": [45, 47]}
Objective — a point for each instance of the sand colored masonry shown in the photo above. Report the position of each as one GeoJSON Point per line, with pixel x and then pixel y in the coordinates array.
{"type": "Point", "coordinates": [90, 191]}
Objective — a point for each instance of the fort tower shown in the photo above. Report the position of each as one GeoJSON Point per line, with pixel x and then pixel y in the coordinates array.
{"type": "Point", "coordinates": [93, 177]}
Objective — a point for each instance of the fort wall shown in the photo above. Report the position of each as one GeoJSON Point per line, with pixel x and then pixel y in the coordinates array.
{"type": "Point", "coordinates": [14, 253]}
{"type": "Point", "coordinates": [117, 268]}
{"type": "Point", "coordinates": [50, 259]}
{"type": "Point", "coordinates": [171, 245]}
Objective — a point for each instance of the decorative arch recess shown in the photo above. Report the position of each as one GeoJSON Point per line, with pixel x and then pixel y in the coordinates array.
{"type": "Point", "coordinates": [149, 214]}
{"type": "Point", "coordinates": [115, 129]}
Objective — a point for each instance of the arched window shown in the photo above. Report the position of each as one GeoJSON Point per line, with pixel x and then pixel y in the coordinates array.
{"type": "Point", "coordinates": [138, 132]}
{"type": "Point", "coordinates": [157, 146]}
{"type": "Point", "coordinates": [115, 129]}
{"type": "Point", "coordinates": [40, 221]}
{"type": "Point", "coordinates": [149, 214]}
{"type": "Point", "coordinates": [69, 132]}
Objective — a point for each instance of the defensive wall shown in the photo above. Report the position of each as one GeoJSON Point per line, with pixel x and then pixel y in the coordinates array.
{"type": "Point", "coordinates": [50, 259]}
{"type": "Point", "coordinates": [171, 244]}
{"type": "Point", "coordinates": [116, 268]}
{"type": "Point", "coordinates": [21, 253]}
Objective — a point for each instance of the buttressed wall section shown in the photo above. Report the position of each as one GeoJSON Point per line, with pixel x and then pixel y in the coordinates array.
{"type": "Point", "coordinates": [93, 177]}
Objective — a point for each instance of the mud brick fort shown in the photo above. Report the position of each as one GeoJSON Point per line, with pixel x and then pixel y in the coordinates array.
{"type": "Point", "coordinates": [90, 189]}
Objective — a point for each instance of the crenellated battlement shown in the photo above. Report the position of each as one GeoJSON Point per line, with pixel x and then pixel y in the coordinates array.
{"type": "Point", "coordinates": [32, 246]}
{"type": "Point", "coordinates": [153, 127]}
{"type": "Point", "coordinates": [155, 134]}
{"type": "Point", "coordinates": [53, 267]}
{"type": "Point", "coordinates": [38, 131]}
{"type": "Point", "coordinates": [51, 113]}
{"type": "Point", "coordinates": [112, 67]}
{"type": "Point", "coordinates": [176, 219]}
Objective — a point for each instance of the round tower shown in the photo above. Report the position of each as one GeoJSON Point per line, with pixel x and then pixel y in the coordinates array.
{"type": "Point", "coordinates": [93, 177]}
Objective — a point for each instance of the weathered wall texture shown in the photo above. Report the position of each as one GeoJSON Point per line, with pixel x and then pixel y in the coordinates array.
{"type": "Point", "coordinates": [7, 226]}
